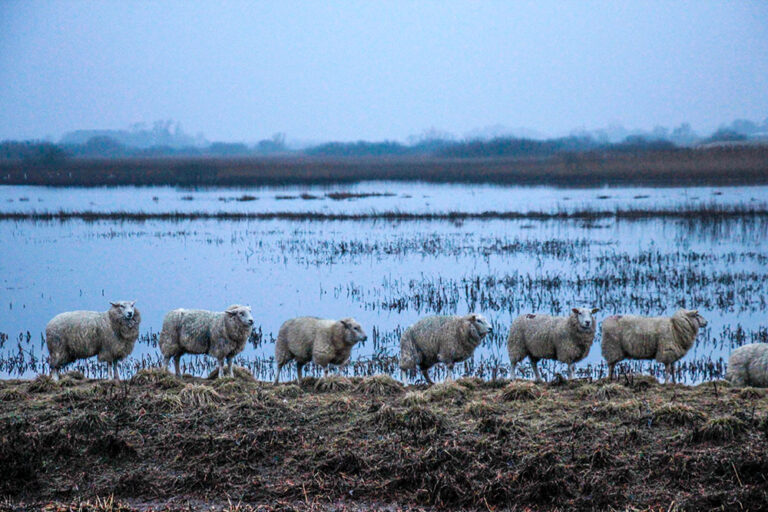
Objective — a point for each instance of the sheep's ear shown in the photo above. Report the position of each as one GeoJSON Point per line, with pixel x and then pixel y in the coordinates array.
{"type": "Point", "coordinates": [575, 311]}
{"type": "Point", "coordinates": [231, 312]}
{"type": "Point", "coordinates": [473, 317]}
{"type": "Point", "coordinates": [693, 312]}
{"type": "Point", "coordinates": [114, 304]}
{"type": "Point", "coordinates": [595, 310]}
{"type": "Point", "coordinates": [133, 303]}
{"type": "Point", "coordinates": [345, 322]}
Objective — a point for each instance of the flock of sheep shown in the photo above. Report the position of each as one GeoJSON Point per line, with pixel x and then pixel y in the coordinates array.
{"type": "Point", "coordinates": [110, 335]}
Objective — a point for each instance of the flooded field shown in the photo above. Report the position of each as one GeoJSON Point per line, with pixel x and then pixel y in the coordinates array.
{"type": "Point", "coordinates": [385, 273]}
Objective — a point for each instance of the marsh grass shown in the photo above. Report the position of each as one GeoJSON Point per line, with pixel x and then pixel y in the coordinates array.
{"type": "Point", "coordinates": [719, 429]}
{"type": "Point", "coordinates": [518, 391]}
{"type": "Point", "coordinates": [199, 395]}
{"type": "Point", "coordinates": [333, 384]}
{"type": "Point", "coordinates": [379, 385]}
{"type": "Point", "coordinates": [481, 449]}
{"type": "Point", "coordinates": [677, 414]}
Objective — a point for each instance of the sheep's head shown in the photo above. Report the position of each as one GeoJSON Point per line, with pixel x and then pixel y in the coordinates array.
{"type": "Point", "coordinates": [240, 313]}
{"type": "Point", "coordinates": [695, 317]}
{"type": "Point", "coordinates": [481, 325]}
{"type": "Point", "coordinates": [585, 317]}
{"type": "Point", "coordinates": [125, 309]}
{"type": "Point", "coordinates": [353, 332]}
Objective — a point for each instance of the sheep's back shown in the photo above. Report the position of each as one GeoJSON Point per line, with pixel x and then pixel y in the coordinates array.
{"type": "Point", "coordinates": [639, 337]}
{"type": "Point", "coordinates": [194, 329]}
{"type": "Point", "coordinates": [79, 334]}
{"type": "Point", "coordinates": [429, 335]}
{"type": "Point", "coordinates": [299, 335]}
{"type": "Point", "coordinates": [540, 333]}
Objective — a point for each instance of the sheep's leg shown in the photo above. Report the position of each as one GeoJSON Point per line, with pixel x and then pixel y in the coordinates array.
{"type": "Point", "coordinates": [535, 366]}
{"type": "Point", "coordinates": [610, 370]}
{"type": "Point", "coordinates": [669, 372]}
{"type": "Point", "coordinates": [570, 371]}
{"type": "Point", "coordinates": [425, 373]}
{"type": "Point", "coordinates": [114, 371]}
{"type": "Point", "coordinates": [513, 371]}
{"type": "Point", "coordinates": [166, 361]}
{"type": "Point", "coordinates": [325, 372]}
{"type": "Point", "coordinates": [230, 361]}
{"type": "Point", "coordinates": [277, 375]}
{"type": "Point", "coordinates": [176, 364]}
{"type": "Point", "coordinates": [449, 375]}
{"type": "Point", "coordinates": [55, 373]}
{"type": "Point", "coordinates": [222, 368]}
{"type": "Point", "coordinates": [298, 373]}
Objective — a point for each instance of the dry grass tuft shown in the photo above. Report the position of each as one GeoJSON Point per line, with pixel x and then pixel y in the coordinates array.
{"type": "Point", "coordinates": [333, 384]}
{"type": "Point", "coordinates": [42, 384]}
{"type": "Point", "coordinates": [721, 428]}
{"type": "Point", "coordinates": [521, 391]}
{"type": "Point", "coordinates": [626, 410]}
{"type": "Point", "coordinates": [240, 374]}
{"type": "Point", "coordinates": [379, 385]}
{"type": "Point", "coordinates": [750, 393]}
{"type": "Point", "coordinates": [481, 409]}
{"type": "Point", "coordinates": [199, 395]}
{"type": "Point", "coordinates": [449, 390]}
{"type": "Point", "coordinates": [415, 398]}
{"type": "Point", "coordinates": [677, 415]}
{"type": "Point", "coordinates": [13, 395]}
{"type": "Point", "coordinates": [159, 377]}
{"type": "Point", "coordinates": [610, 391]}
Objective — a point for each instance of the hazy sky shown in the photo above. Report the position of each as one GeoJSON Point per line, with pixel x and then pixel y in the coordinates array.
{"type": "Point", "coordinates": [373, 70]}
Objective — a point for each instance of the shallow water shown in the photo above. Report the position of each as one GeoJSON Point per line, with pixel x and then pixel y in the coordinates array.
{"type": "Point", "coordinates": [385, 274]}
{"type": "Point", "coordinates": [392, 196]}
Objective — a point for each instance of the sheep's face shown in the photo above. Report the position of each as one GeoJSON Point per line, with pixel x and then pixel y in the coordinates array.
{"type": "Point", "coordinates": [353, 331]}
{"type": "Point", "coordinates": [125, 308]}
{"type": "Point", "coordinates": [585, 318]}
{"type": "Point", "coordinates": [242, 314]}
{"type": "Point", "coordinates": [696, 317]}
{"type": "Point", "coordinates": [481, 325]}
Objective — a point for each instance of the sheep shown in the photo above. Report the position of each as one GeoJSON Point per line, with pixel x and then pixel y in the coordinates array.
{"type": "Point", "coordinates": [748, 366]}
{"type": "Point", "coordinates": [443, 339]}
{"type": "Point", "coordinates": [665, 339]}
{"type": "Point", "coordinates": [220, 334]}
{"type": "Point", "coordinates": [539, 336]}
{"type": "Point", "coordinates": [109, 335]}
{"type": "Point", "coordinates": [322, 341]}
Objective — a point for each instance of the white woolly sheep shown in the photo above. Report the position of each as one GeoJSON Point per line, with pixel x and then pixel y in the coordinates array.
{"type": "Point", "coordinates": [441, 339]}
{"type": "Point", "coordinates": [322, 341]}
{"type": "Point", "coordinates": [220, 334]}
{"type": "Point", "coordinates": [563, 338]}
{"type": "Point", "coordinates": [665, 339]}
{"type": "Point", "coordinates": [109, 335]}
{"type": "Point", "coordinates": [748, 366]}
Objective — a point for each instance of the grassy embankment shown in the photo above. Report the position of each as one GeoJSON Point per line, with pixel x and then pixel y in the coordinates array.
{"type": "Point", "coordinates": [340, 444]}
{"type": "Point", "coordinates": [736, 165]}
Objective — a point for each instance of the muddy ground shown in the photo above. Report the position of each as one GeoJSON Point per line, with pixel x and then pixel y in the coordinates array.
{"type": "Point", "coordinates": [162, 443]}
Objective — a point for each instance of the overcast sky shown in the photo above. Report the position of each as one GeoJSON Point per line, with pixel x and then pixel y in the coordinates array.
{"type": "Point", "coordinates": [378, 70]}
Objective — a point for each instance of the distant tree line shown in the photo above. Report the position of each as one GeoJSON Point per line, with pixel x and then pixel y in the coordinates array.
{"type": "Point", "coordinates": [167, 140]}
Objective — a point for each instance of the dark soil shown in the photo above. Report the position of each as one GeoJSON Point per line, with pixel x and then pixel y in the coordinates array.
{"type": "Point", "coordinates": [161, 443]}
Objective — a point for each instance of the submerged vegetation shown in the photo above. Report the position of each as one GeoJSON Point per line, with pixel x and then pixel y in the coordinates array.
{"type": "Point", "coordinates": [362, 443]}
